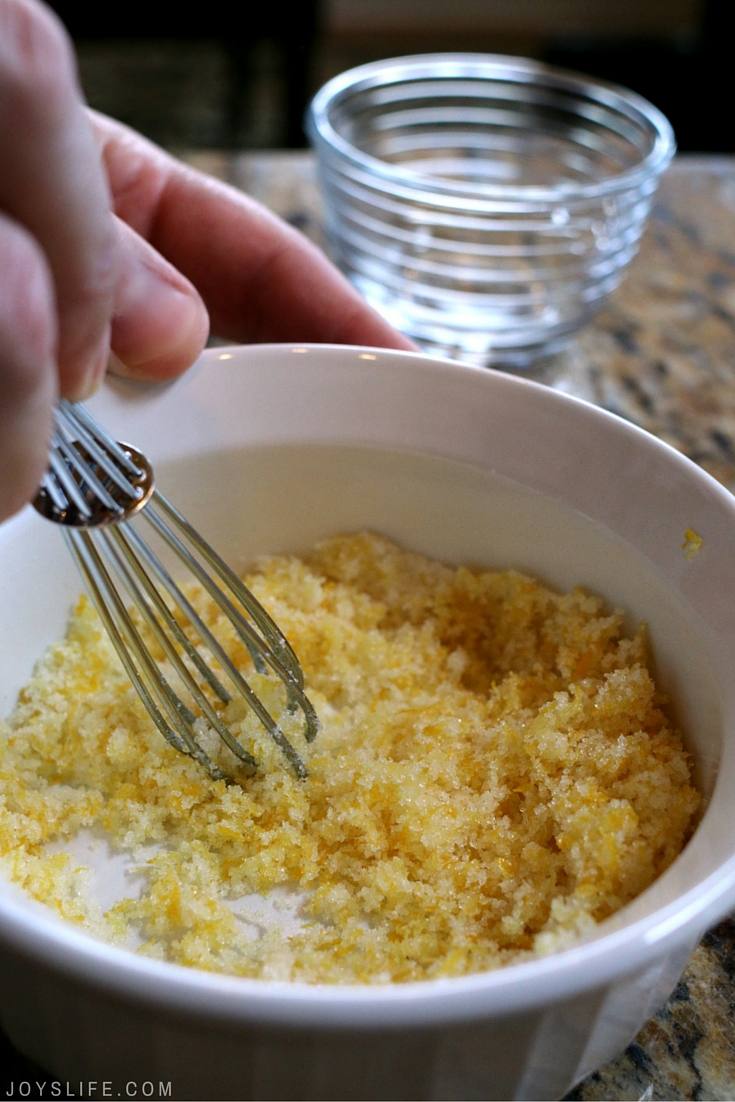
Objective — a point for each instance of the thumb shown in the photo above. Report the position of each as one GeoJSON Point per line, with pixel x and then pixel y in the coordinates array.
{"type": "Point", "coordinates": [159, 324]}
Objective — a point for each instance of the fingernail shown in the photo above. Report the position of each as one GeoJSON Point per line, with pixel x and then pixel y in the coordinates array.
{"type": "Point", "coordinates": [116, 366]}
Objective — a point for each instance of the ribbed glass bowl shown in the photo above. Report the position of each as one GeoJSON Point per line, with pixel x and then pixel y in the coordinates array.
{"type": "Point", "coordinates": [485, 205]}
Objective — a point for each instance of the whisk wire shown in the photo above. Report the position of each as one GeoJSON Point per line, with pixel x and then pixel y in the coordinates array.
{"type": "Point", "coordinates": [259, 648]}
{"type": "Point", "coordinates": [277, 640]}
{"type": "Point", "coordinates": [129, 646]}
{"type": "Point", "coordinates": [78, 430]}
{"type": "Point", "coordinates": [221, 656]}
{"type": "Point", "coordinates": [62, 465]}
{"type": "Point", "coordinates": [93, 487]}
{"type": "Point", "coordinates": [164, 640]}
{"type": "Point", "coordinates": [165, 613]}
{"type": "Point", "coordinates": [94, 484]}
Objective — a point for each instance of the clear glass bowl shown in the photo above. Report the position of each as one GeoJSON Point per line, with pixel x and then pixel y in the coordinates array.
{"type": "Point", "coordinates": [485, 205]}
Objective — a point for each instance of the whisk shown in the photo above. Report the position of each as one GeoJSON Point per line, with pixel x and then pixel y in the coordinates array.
{"type": "Point", "coordinates": [93, 487]}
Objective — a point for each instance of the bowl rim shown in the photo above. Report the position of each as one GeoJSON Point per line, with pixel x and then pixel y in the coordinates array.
{"type": "Point", "coordinates": [29, 929]}
{"type": "Point", "coordinates": [521, 70]}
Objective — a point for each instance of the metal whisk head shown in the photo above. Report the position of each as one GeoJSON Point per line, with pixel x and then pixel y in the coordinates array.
{"type": "Point", "coordinates": [93, 487]}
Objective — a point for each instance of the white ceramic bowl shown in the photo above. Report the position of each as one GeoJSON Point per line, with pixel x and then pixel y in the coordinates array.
{"type": "Point", "coordinates": [268, 449]}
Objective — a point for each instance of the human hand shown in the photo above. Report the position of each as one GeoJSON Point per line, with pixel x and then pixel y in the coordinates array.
{"type": "Point", "coordinates": [261, 280]}
{"type": "Point", "coordinates": [99, 230]}
{"type": "Point", "coordinates": [70, 273]}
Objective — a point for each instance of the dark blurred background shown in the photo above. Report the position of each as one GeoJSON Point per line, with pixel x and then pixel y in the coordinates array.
{"type": "Point", "coordinates": [240, 76]}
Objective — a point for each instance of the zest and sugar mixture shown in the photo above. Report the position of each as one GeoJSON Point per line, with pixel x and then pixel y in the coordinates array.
{"type": "Point", "coordinates": [495, 774]}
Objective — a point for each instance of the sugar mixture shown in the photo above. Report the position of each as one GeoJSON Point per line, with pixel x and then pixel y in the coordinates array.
{"type": "Point", "coordinates": [495, 774]}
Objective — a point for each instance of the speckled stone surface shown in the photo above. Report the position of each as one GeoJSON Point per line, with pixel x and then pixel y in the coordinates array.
{"type": "Point", "coordinates": [661, 354]}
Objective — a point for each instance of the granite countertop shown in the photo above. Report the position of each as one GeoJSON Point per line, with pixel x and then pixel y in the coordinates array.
{"type": "Point", "coordinates": [661, 354]}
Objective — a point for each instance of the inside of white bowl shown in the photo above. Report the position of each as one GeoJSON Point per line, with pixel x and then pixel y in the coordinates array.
{"type": "Point", "coordinates": [254, 501]}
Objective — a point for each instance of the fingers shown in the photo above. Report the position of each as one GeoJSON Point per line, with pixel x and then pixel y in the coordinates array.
{"type": "Point", "coordinates": [160, 324]}
{"type": "Point", "coordinates": [260, 279]}
{"type": "Point", "coordinates": [27, 365]}
{"type": "Point", "coordinates": [53, 183]}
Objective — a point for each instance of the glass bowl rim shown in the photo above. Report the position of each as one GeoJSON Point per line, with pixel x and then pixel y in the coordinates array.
{"type": "Point", "coordinates": [490, 67]}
